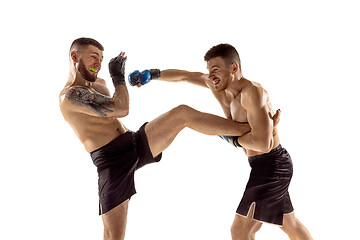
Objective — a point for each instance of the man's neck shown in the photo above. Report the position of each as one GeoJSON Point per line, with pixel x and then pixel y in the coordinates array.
{"type": "Point", "coordinates": [75, 79]}
{"type": "Point", "coordinates": [236, 85]}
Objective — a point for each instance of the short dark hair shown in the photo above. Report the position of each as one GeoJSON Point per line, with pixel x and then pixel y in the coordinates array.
{"type": "Point", "coordinates": [226, 51]}
{"type": "Point", "coordinates": [83, 42]}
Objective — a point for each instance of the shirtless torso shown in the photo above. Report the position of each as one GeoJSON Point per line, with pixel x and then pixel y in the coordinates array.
{"type": "Point", "coordinates": [93, 131]}
{"type": "Point", "coordinates": [88, 107]}
{"type": "Point", "coordinates": [233, 107]}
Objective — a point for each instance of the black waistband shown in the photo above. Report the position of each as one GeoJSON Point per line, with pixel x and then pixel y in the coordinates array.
{"type": "Point", "coordinates": [119, 138]}
{"type": "Point", "coordinates": [252, 158]}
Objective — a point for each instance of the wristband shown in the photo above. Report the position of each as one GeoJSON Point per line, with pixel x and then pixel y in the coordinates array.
{"type": "Point", "coordinates": [118, 80]}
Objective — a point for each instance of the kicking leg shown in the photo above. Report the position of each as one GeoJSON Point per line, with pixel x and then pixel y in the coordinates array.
{"type": "Point", "coordinates": [115, 222]}
{"type": "Point", "coordinates": [163, 130]}
{"type": "Point", "coordinates": [294, 228]}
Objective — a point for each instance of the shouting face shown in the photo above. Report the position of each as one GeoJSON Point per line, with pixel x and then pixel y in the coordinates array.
{"type": "Point", "coordinates": [219, 73]}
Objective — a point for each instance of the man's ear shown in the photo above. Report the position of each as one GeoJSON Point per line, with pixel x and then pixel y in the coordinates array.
{"type": "Point", "coordinates": [73, 55]}
{"type": "Point", "coordinates": [235, 67]}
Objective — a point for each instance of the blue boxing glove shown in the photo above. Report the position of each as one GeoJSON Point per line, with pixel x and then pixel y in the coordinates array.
{"type": "Point", "coordinates": [143, 77]}
{"type": "Point", "coordinates": [232, 140]}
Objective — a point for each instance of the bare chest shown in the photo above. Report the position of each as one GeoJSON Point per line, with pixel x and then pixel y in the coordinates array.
{"type": "Point", "coordinates": [238, 112]}
{"type": "Point", "coordinates": [233, 108]}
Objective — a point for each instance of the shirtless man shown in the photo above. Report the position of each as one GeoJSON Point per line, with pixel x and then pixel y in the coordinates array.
{"type": "Point", "coordinates": [87, 106]}
{"type": "Point", "coordinates": [266, 198]}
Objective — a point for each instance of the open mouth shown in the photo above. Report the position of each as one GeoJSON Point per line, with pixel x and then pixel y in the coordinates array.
{"type": "Point", "coordinates": [216, 81]}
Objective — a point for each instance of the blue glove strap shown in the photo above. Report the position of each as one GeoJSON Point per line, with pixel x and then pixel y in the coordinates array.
{"type": "Point", "coordinates": [232, 140]}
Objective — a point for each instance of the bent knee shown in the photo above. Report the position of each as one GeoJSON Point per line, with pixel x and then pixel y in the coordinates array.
{"type": "Point", "coordinates": [183, 108]}
{"type": "Point", "coordinates": [183, 112]}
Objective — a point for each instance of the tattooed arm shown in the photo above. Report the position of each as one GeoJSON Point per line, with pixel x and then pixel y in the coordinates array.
{"type": "Point", "coordinates": [85, 101]}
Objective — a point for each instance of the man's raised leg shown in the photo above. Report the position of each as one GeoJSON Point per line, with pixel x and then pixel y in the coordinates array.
{"type": "Point", "coordinates": [163, 130]}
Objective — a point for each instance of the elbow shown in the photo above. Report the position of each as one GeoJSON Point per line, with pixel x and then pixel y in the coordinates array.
{"type": "Point", "coordinates": [125, 113]}
{"type": "Point", "coordinates": [122, 112]}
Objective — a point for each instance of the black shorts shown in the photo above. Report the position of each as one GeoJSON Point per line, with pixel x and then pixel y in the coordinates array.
{"type": "Point", "coordinates": [116, 163]}
{"type": "Point", "coordinates": [268, 187]}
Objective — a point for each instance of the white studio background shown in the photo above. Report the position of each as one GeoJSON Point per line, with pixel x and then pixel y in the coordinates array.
{"type": "Point", "coordinates": [305, 54]}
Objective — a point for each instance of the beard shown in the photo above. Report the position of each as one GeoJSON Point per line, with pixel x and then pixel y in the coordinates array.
{"type": "Point", "coordinates": [85, 72]}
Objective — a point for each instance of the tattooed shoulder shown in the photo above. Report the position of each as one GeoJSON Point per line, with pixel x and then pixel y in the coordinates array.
{"type": "Point", "coordinates": [81, 96]}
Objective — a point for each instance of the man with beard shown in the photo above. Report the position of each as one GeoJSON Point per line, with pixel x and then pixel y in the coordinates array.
{"type": "Point", "coordinates": [266, 197]}
{"type": "Point", "coordinates": [87, 106]}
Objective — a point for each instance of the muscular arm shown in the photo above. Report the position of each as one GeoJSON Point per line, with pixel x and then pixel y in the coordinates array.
{"type": "Point", "coordinates": [174, 75]}
{"type": "Point", "coordinates": [260, 137]}
{"type": "Point", "coordinates": [85, 101]}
